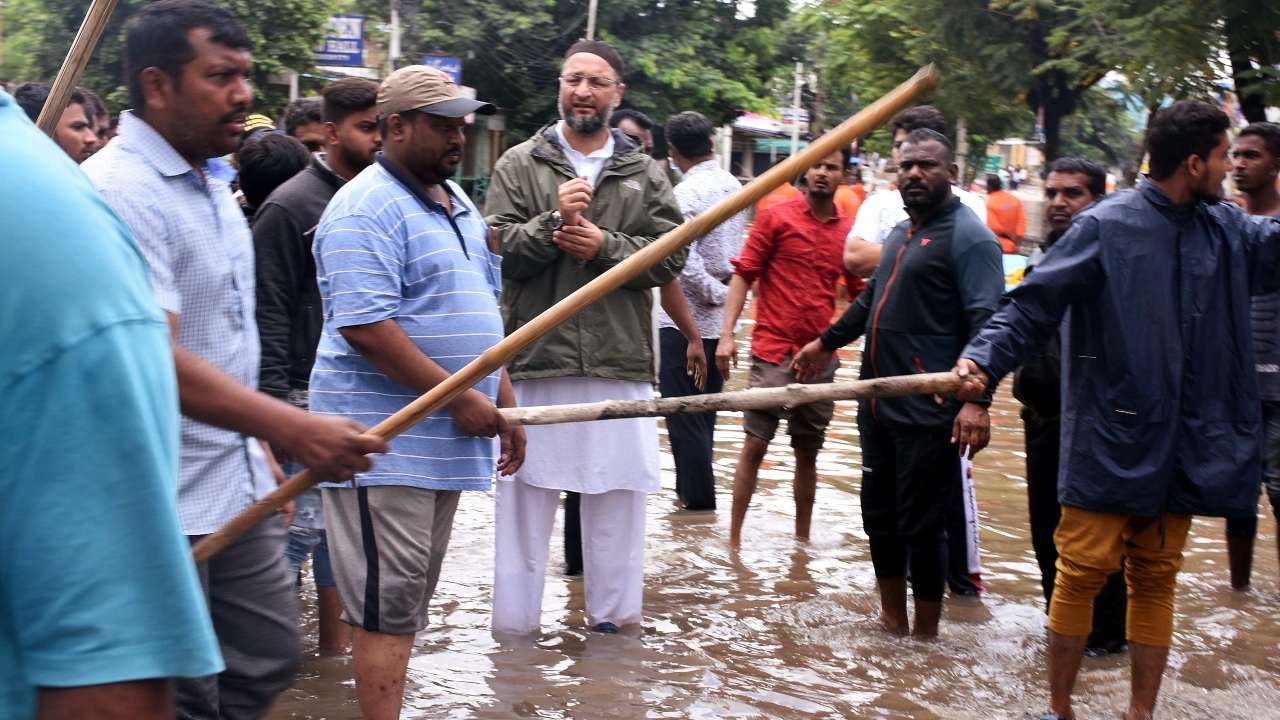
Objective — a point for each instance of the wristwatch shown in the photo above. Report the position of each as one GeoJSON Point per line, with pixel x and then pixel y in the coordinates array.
{"type": "Point", "coordinates": [552, 222]}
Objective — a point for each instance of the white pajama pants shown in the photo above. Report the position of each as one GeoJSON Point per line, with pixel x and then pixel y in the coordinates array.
{"type": "Point", "coordinates": [612, 550]}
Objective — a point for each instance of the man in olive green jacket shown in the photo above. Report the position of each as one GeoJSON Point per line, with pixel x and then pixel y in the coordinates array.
{"type": "Point", "coordinates": [567, 205]}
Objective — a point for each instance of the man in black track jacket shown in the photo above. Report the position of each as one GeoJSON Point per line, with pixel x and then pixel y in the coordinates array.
{"type": "Point", "coordinates": [939, 281]}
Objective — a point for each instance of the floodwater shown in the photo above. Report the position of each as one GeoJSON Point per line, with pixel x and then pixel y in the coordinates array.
{"type": "Point", "coordinates": [788, 630]}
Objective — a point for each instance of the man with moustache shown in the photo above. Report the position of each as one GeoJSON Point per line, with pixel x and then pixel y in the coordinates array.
{"type": "Point", "coordinates": [877, 216]}
{"type": "Point", "coordinates": [565, 206]}
{"type": "Point", "coordinates": [1072, 185]}
{"type": "Point", "coordinates": [187, 65]}
{"type": "Point", "coordinates": [289, 315]}
{"type": "Point", "coordinates": [793, 258]}
{"type": "Point", "coordinates": [1256, 164]}
{"type": "Point", "coordinates": [1161, 416]}
{"type": "Point", "coordinates": [410, 293]}
{"type": "Point", "coordinates": [941, 281]}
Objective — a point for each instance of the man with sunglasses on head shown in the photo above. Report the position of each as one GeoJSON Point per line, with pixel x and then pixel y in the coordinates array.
{"type": "Point", "coordinates": [566, 206]}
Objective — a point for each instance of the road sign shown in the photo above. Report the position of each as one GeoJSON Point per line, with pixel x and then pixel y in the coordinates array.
{"type": "Point", "coordinates": [344, 43]}
{"type": "Point", "coordinates": [450, 66]}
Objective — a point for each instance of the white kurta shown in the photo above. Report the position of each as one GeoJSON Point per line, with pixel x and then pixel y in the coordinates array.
{"type": "Point", "coordinates": [591, 457]}
{"type": "Point", "coordinates": [614, 464]}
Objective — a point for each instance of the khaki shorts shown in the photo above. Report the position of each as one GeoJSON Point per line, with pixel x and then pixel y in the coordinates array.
{"type": "Point", "coordinates": [806, 424]}
{"type": "Point", "coordinates": [386, 544]}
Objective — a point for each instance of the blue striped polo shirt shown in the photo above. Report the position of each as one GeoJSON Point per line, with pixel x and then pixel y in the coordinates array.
{"type": "Point", "coordinates": [383, 252]}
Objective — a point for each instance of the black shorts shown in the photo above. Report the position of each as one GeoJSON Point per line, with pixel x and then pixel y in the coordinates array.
{"type": "Point", "coordinates": [909, 478]}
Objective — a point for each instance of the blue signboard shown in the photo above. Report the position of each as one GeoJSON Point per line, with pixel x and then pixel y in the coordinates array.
{"type": "Point", "coordinates": [450, 66]}
{"type": "Point", "coordinates": [344, 43]}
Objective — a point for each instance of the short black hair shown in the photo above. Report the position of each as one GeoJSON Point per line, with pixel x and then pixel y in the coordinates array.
{"type": "Point", "coordinates": [347, 96]}
{"type": "Point", "coordinates": [690, 132]}
{"type": "Point", "coordinates": [31, 97]}
{"type": "Point", "coordinates": [1269, 133]}
{"type": "Point", "coordinates": [1185, 128]}
{"type": "Point", "coordinates": [633, 115]}
{"type": "Point", "coordinates": [846, 153]}
{"type": "Point", "coordinates": [994, 182]}
{"type": "Point", "coordinates": [266, 161]}
{"type": "Point", "coordinates": [301, 112]}
{"type": "Point", "coordinates": [920, 116]}
{"type": "Point", "coordinates": [156, 36]}
{"type": "Point", "coordinates": [923, 134]}
{"type": "Point", "coordinates": [93, 104]}
{"type": "Point", "coordinates": [1097, 176]}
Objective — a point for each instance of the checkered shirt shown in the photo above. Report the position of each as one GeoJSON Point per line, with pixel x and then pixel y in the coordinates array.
{"type": "Point", "coordinates": [200, 253]}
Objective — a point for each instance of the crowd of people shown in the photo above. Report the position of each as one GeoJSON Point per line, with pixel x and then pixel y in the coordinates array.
{"type": "Point", "coordinates": [249, 299]}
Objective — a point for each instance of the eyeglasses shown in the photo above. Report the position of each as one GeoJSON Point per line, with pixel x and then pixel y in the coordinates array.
{"type": "Point", "coordinates": [595, 82]}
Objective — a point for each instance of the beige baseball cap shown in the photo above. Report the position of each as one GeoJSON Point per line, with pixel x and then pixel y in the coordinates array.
{"type": "Point", "coordinates": [419, 87]}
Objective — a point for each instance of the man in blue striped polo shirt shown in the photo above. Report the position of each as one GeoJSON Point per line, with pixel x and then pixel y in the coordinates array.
{"type": "Point", "coordinates": [410, 293]}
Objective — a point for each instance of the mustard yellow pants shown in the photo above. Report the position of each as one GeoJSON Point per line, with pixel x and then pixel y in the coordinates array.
{"type": "Point", "coordinates": [1093, 545]}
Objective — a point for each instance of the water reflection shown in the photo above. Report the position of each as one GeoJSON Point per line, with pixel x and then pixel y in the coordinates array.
{"type": "Point", "coordinates": [788, 630]}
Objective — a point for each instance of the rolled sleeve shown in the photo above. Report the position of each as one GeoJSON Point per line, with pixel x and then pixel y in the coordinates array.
{"type": "Point", "coordinates": [758, 248]}
{"type": "Point", "coordinates": [360, 268]}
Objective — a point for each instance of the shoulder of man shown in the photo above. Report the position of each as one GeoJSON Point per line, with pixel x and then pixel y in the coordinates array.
{"type": "Point", "coordinates": [968, 231]}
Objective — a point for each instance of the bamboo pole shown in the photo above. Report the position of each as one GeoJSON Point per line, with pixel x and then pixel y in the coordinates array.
{"type": "Point", "coordinates": [753, 399]}
{"type": "Point", "coordinates": [495, 357]}
{"type": "Point", "coordinates": [95, 21]}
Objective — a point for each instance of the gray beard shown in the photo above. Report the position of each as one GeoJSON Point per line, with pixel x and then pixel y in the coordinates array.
{"type": "Point", "coordinates": [584, 126]}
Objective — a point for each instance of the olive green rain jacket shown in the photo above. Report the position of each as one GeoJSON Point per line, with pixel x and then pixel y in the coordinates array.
{"type": "Point", "coordinates": [633, 205]}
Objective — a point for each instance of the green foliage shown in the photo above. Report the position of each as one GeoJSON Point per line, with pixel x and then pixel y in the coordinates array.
{"type": "Point", "coordinates": [700, 55]}
{"type": "Point", "coordinates": [38, 34]}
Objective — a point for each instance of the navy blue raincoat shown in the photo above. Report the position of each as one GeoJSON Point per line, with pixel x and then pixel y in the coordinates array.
{"type": "Point", "coordinates": [1160, 405]}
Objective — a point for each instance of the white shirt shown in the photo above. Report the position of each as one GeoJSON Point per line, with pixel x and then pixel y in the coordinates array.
{"type": "Point", "coordinates": [883, 210]}
{"type": "Point", "coordinates": [590, 165]}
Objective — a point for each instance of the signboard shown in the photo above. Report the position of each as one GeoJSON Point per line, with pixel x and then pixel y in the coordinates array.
{"type": "Point", "coordinates": [450, 66]}
{"type": "Point", "coordinates": [344, 43]}
{"type": "Point", "coordinates": [992, 165]}
{"type": "Point", "coordinates": [783, 145]}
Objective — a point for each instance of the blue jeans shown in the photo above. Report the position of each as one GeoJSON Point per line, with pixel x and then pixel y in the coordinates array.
{"type": "Point", "coordinates": [304, 542]}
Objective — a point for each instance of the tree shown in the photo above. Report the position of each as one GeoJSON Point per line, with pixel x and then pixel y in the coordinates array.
{"type": "Point", "coordinates": [703, 55]}
{"type": "Point", "coordinates": [283, 33]}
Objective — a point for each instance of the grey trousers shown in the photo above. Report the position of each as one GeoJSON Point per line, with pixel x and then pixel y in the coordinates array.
{"type": "Point", "coordinates": [255, 615]}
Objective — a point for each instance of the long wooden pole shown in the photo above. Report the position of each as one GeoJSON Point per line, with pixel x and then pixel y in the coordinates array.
{"type": "Point", "coordinates": [495, 357]}
{"type": "Point", "coordinates": [753, 399]}
{"type": "Point", "coordinates": [95, 21]}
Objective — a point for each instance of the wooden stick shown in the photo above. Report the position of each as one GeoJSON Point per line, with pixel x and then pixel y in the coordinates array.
{"type": "Point", "coordinates": [495, 357]}
{"type": "Point", "coordinates": [753, 399]}
{"type": "Point", "coordinates": [95, 21]}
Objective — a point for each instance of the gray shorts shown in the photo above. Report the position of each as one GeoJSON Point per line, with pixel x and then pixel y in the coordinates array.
{"type": "Point", "coordinates": [386, 544]}
{"type": "Point", "coordinates": [806, 424]}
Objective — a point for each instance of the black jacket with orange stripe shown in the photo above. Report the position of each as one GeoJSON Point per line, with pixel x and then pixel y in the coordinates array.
{"type": "Point", "coordinates": [935, 287]}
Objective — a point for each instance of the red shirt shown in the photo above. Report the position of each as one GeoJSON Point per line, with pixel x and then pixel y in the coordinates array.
{"type": "Point", "coordinates": [796, 262]}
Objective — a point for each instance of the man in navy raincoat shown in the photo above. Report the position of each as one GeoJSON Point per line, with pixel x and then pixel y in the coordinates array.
{"type": "Point", "coordinates": [1161, 416]}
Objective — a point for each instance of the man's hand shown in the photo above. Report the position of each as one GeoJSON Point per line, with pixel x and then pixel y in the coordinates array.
{"type": "Point", "coordinates": [973, 383]}
{"type": "Point", "coordinates": [475, 415]}
{"type": "Point", "coordinates": [696, 364]}
{"type": "Point", "coordinates": [582, 239]}
{"type": "Point", "coordinates": [812, 359]}
{"type": "Point", "coordinates": [575, 196]}
{"type": "Point", "coordinates": [511, 443]}
{"type": "Point", "coordinates": [333, 448]}
{"type": "Point", "coordinates": [972, 429]}
{"type": "Point", "coordinates": [726, 354]}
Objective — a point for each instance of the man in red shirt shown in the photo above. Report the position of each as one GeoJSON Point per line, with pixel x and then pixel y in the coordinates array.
{"type": "Point", "coordinates": [794, 255]}
{"type": "Point", "coordinates": [1005, 215]}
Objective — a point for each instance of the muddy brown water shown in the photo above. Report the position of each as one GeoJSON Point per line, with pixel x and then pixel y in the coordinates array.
{"type": "Point", "coordinates": [788, 630]}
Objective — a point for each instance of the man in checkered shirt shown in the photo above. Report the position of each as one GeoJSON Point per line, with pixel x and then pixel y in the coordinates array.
{"type": "Point", "coordinates": [187, 69]}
